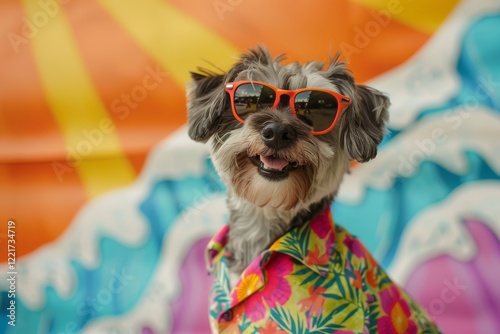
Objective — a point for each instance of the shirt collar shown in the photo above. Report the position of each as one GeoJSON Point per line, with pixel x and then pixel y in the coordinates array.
{"type": "Point", "coordinates": [215, 246]}
{"type": "Point", "coordinates": [310, 243]}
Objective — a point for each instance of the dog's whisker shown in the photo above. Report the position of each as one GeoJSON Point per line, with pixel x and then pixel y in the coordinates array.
{"type": "Point", "coordinates": [213, 65]}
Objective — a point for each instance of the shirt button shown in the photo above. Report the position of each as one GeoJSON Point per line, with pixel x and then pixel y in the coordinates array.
{"type": "Point", "coordinates": [227, 316]}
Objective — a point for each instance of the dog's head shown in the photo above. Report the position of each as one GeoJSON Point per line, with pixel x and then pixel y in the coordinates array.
{"type": "Point", "coordinates": [272, 143]}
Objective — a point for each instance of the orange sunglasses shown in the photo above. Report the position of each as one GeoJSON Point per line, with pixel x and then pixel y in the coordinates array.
{"type": "Point", "coordinates": [318, 108]}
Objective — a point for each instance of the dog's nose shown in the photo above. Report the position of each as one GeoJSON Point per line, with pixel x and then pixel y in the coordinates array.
{"type": "Point", "coordinates": [277, 135]}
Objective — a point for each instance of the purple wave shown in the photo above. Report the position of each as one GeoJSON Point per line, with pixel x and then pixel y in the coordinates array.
{"type": "Point", "coordinates": [462, 297]}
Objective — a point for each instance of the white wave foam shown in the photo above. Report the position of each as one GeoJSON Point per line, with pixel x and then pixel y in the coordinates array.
{"type": "Point", "coordinates": [439, 230]}
{"type": "Point", "coordinates": [441, 138]}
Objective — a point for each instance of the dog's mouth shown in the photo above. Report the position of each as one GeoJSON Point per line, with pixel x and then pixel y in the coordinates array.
{"type": "Point", "coordinates": [273, 167]}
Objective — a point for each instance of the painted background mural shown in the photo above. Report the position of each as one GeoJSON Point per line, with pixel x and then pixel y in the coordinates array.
{"type": "Point", "coordinates": [111, 205]}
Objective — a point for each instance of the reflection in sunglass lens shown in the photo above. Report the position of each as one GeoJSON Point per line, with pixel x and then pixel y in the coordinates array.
{"type": "Point", "coordinates": [317, 109]}
{"type": "Point", "coordinates": [248, 98]}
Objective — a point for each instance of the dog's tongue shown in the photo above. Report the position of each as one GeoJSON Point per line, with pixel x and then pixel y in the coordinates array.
{"type": "Point", "coordinates": [273, 163]}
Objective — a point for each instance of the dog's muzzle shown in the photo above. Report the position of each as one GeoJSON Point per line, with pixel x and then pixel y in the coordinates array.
{"type": "Point", "coordinates": [276, 136]}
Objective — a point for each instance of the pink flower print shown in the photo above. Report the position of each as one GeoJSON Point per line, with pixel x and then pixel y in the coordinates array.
{"type": "Point", "coordinates": [255, 309]}
{"type": "Point", "coordinates": [354, 246]}
{"type": "Point", "coordinates": [249, 282]}
{"type": "Point", "coordinates": [277, 290]}
{"type": "Point", "coordinates": [397, 319]}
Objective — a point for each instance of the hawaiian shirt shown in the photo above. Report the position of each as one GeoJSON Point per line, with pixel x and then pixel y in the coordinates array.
{"type": "Point", "coordinates": [317, 278]}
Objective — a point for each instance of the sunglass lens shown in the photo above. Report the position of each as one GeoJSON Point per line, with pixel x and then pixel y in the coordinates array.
{"type": "Point", "coordinates": [248, 98]}
{"type": "Point", "coordinates": [317, 109]}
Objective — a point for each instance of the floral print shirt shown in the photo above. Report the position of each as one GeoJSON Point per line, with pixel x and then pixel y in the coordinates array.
{"type": "Point", "coordinates": [317, 278]}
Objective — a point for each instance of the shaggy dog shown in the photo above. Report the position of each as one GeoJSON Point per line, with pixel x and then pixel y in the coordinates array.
{"type": "Point", "coordinates": [281, 138]}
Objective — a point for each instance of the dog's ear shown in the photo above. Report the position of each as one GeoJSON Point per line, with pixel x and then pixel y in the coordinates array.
{"type": "Point", "coordinates": [362, 125]}
{"type": "Point", "coordinates": [206, 102]}
{"type": "Point", "coordinates": [207, 98]}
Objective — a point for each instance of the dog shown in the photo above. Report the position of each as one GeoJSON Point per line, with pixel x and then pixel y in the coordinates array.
{"type": "Point", "coordinates": [281, 138]}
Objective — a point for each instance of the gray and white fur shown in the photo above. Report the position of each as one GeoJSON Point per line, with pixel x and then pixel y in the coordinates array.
{"type": "Point", "coordinates": [262, 210]}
